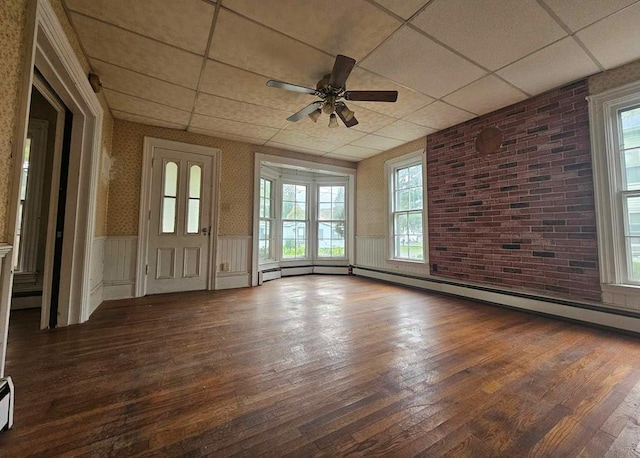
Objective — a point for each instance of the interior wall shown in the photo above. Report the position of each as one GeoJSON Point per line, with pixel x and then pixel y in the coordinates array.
{"type": "Point", "coordinates": [236, 185]}
{"type": "Point", "coordinates": [523, 217]}
{"type": "Point", "coordinates": [12, 17]}
{"type": "Point", "coordinates": [12, 20]}
{"type": "Point", "coordinates": [371, 194]}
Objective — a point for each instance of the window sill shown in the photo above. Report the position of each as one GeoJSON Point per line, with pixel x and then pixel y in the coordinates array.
{"type": "Point", "coordinates": [408, 261]}
{"type": "Point", "coordinates": [621, 296]}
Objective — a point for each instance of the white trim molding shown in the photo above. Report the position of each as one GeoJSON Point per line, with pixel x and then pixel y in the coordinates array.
{"type": "Point", "coordinates": [390, 166]}
{"type": "Point", "coordinates": [603, 109]}
{"type": "Point", "coordinates": [6, 266]}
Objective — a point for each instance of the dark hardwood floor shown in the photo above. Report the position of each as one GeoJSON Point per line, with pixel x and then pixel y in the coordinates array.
{"type": "Point", "coordinates": [321, 365]}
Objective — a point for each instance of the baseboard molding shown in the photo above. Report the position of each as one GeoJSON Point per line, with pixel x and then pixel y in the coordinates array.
{"type": "Point", "coordinates": [96, 297]}
{"type": "Point", "coordinates": [331, 270]}
{"type": "Point", "coordinates": [291, 271]}
{"type": "Point", "coordinates": [586, 313]}
{"type": "Point", "coordinates": [120, 290]}
{"type": "Point", "coordinates": [230, 281]}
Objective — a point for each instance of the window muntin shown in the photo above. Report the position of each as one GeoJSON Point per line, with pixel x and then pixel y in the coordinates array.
{"type": "Point", "coordinates": [331, 221]}
{"type": "Point", "coordinates": [169, 198]}
{"type": "Point", "coordinates": [294, 221]}
{"type": "Point", "coordinates": [195, 196]}
{"type": "Point", "coordinates": [266, 221]}
{"type": "Point", "coordinates": [407, 237]}
{"type": "Point", "coordinates": [628, 121]}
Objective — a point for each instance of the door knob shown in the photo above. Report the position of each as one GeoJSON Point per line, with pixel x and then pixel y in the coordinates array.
{"type": "Point", "coordinates": [205, 230]}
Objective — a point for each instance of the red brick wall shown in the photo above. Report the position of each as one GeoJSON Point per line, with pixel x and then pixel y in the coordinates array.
{"type": "Point", "coordinates": [524, 217]}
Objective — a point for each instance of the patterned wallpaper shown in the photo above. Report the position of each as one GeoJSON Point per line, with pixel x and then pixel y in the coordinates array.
{"type": "Point", "coordinates": [12, 18]}
{"type": "Point", "coordinates": [236, 185]}
{"type": "Point", "coordinates": [12, 14]}
{"type": "Point", "coordinates": [615, 77]}
{"type": "Point", "coordinates": [371, 196]}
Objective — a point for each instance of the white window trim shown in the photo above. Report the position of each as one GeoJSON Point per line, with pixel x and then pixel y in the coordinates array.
{"type": "Point", "coordinates": [310, 208]}
{"type": "Point", "coordinates": [268, 174]}
{"type": "Point", "coordinates": [390, 167]}
{"type": "Point", "coordinates": [606, 178]}
{"type": "Point", "coordinates": [331, 181]}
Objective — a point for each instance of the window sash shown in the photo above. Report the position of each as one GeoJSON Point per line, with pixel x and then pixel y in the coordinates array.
{"type": "Point", "coordinates": [405, 199]}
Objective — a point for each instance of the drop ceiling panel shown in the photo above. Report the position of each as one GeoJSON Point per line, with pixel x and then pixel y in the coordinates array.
{"type": "Point", "coordinates": [129, 82]}
{"type": "Point", "coordinates": [291, 138]}
{"type": "Point", "coordinates": [485, 95]}
{"type": "Point", "coordinates": [577, 14]}
{"type": "Point", "coordinates": [352, 28]}
{"type": "Point", "coordinates": [439, 116]}
{"type": "Point", "coordinates": [356, 152]}
{"type": "Point", "coordinates": [408, 100]}
{"type": "Point", "coordinates": [322, 130]}
{"type": "Point", "coordinates": [376, 142]}
{"type": "Point", "coordinates": [421, 64]}
{"type": "Point", "coordinates": [234, 83]}
{"type": "Point", "coordinates": [297, 149]}
{"type": "Point", "coordinates": [492, 33]}
{"type": "Point", "coordinates": [553, 66]}
{"type": "Point", "coordinates": [242, 43]}
{"type": "Point", "coordinates": [144, 55]}
{"type": "Point", "coordinates": [228, 136]}
{"type": "Point", "coordinates": [370, 121]}
{"type": "Point", "coordinates": [134, 105]}
{"type": "Point", "coordinates": [403, 130]}
{"type": "Point", "coordinates": [403, 8]}
{"type": "Point", "coordinates": [184, 24]}
{"type": "Point", "coordinates": [145, 120]}
{"type": "Point", "coordinates": [240, 111]}
{"type": "Point", "coordinates": [615, 40]}
{"type": "Point", "coordinates": [232, 127]}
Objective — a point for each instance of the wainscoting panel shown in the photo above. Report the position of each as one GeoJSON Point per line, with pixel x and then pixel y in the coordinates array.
{"type": "Point", "coordinates": [96, 280]}
{"type": "Point", "coordinates": [233, 262]}
{"type": "Point", "coordinates": [119, 275]}
{"type": "Point", "coordinates": [372, 252]}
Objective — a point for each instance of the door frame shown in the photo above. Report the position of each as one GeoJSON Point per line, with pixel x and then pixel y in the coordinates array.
{"type": "Point", "coordinates": [150, 144]}
{"type": "Point", "coordinates": [47, 47]}
{"type": "Point", "coordinates": [49, 247]}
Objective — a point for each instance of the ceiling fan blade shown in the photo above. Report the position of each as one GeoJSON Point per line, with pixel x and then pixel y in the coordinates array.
{"type": "Point", "coordinates": [290, 87]}
{"type": "Point", "coordinates": [371, 96]}
{"type": "Point", "coordinates": [305, 111]}
{"type": "Point", "coordinates": [341, 70]}
{"type": "Point", "coordinates": [340, 111]}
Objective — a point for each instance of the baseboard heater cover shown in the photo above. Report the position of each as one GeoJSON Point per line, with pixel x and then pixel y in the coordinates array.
{"type": "Point", "coordinates": [575, 311]}
{"type": "Point", "coordinates": [6, 403]}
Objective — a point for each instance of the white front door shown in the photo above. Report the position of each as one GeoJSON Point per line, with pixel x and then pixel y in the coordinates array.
{"type": "Point", "coordinates": [179, 221]}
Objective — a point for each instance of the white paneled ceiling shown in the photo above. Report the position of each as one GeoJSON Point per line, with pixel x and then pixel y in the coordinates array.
{"type": "Point", "coordinates": [202, 66]}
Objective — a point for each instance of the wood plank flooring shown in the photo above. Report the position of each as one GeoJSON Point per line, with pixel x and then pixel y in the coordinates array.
{"type": "Point", "coordinates": [321, 365]}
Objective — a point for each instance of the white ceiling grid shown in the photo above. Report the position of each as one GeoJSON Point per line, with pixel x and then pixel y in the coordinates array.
{"type": "Point", "coordinates": [202, 66]}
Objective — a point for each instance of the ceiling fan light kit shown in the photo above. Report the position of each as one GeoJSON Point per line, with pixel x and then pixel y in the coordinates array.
{"type": "Point", "coordinates": [331, 90]}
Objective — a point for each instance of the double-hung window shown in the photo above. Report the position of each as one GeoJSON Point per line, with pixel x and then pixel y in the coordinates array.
{"type": "Point", "coordinates": [615, 142]}
{"type": "Point", "coordinates": [295, 219]}
{"type": "Point", "coordinates": [331, 221]}
{"type": "Point", "coordinates": [266, 222]}
{"type": "Point", "coordinates": [628, 146]}
{"type": "Point", "coordinates": [407, 217]}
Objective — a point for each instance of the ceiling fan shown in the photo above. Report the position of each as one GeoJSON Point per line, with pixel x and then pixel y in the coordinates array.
{"type": "Point", "coordinates": [332, 91]}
